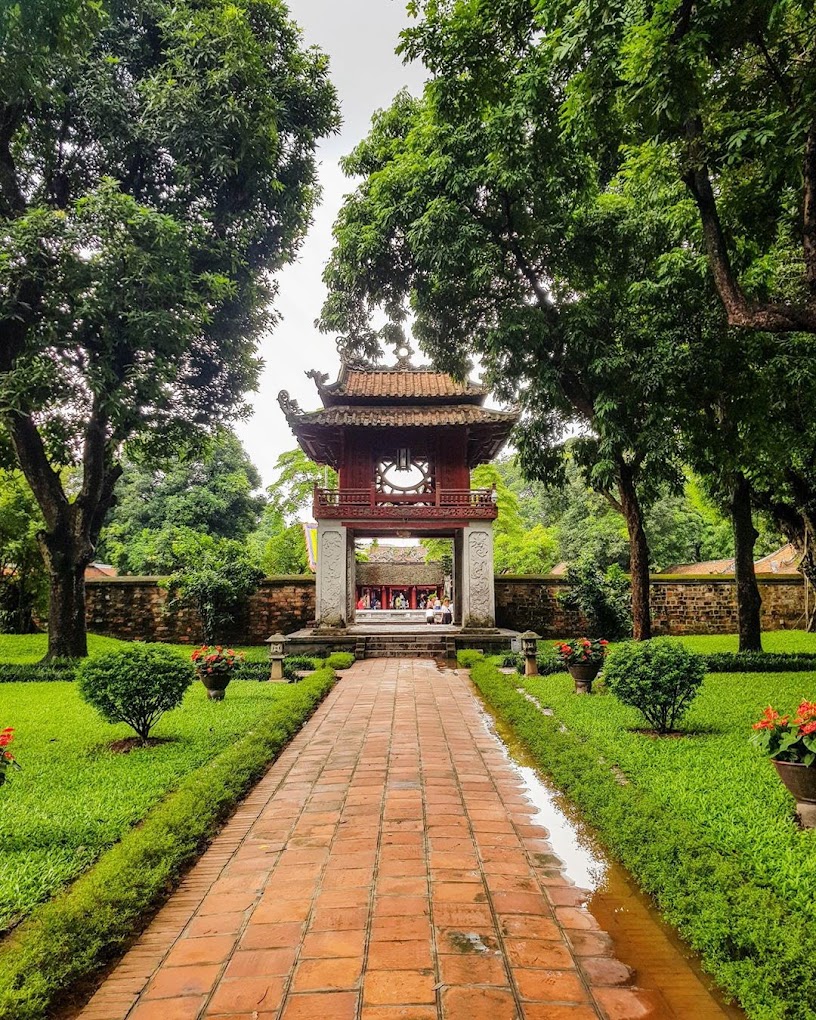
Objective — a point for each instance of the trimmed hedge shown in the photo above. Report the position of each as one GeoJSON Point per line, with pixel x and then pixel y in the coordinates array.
{"type": "Point", "coordinates": [341, 660]}
{"type": "Point", "coordinates": [37, 672]}
{"type": "Point", "coordinates": [73, 936]}
{"type": "Point", "coordinates": [758, 945]}
{"type": "Point", "coordinates": [467, 657]}
{"type": "Point", "coordinates": [759, 662]}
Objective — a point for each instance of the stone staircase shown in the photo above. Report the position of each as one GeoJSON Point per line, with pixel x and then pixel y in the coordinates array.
{"type": "Point", "coordinates": [405, 646]}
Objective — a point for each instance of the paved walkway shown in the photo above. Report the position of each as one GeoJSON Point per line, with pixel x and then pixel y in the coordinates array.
{"type": "Point", "coordinates": [386, 868]}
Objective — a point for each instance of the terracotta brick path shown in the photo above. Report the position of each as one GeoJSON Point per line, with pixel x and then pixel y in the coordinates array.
{"type": "Point", "coordinates": [386, 868]}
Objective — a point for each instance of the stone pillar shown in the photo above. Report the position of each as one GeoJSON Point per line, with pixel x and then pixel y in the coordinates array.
{"type": "Point", "coordinates": [478, 596]}
{"type": "Point", "coordinates": [351, 577]}
{"type": "Point", "coordinates": [332, 574]}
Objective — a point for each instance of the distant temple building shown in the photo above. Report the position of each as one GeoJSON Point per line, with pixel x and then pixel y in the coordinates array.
{"type": "Point", "coordinates": [403, 440]}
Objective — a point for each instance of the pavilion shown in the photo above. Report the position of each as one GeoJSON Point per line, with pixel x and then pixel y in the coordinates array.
{"type": "Point", "coordinates": [403, 440]}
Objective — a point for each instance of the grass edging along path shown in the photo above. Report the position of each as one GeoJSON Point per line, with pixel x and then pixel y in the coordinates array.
{"type": "Point", "coordinates": [74, 934]}
{"type": "Point", "coordinates": [754, 938]}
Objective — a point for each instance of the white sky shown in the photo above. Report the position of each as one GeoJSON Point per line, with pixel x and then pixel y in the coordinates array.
{"type": "Point", "coordinates": [360, 37]}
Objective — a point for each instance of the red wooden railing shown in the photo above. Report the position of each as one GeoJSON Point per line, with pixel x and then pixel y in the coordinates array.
{"type": "Point", "coordinates": [360, 503]}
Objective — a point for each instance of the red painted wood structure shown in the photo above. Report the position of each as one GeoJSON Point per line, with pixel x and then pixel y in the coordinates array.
{"type": "Point", "coordinates": [403, 440]}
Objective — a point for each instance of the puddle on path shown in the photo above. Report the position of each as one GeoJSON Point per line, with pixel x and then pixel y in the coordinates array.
{"type": "Point", "coordinates": [662, 963]}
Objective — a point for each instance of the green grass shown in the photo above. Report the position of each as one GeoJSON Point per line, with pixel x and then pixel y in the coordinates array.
{"type": "Point", "coordinates": [74, 934]}
{"type": "Point", "coordinates": [23, 648]}
{"type": "Point", "coordinates": [703, 823]}
{"type": "Point", "coordinates": [74, 797]}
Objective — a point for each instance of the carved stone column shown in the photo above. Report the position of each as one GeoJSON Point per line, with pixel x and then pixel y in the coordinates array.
{"type": "Point", "coordinates": [478, 596]}
{"type": "Point", "coordinates": [332, 574]}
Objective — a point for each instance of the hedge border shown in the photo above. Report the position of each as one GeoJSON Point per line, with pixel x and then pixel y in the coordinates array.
{"type": "Point", "coordinates": [759, 662]}
{"type": "Point", "coordinates": [755, 946]}
{"type": "Point", "coordinates": [72, 936]}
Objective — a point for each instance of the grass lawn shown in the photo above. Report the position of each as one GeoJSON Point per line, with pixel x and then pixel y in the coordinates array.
{"type": "Point", "coordinates": [701, 820]}
{"type": "Point", "coordinates": [74, 797]}
{"type": "Point", "coordinates": [24, 648]}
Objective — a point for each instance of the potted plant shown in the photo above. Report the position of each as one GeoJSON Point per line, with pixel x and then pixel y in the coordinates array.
{"type": "Point", "coordinates": [7, 759]}
{"type": "Point", "coordinates": [791, 746]}
{"type": "Point", "coordinates": [583, 657]}
{"type": "Point", "coordinates": [215, 666]}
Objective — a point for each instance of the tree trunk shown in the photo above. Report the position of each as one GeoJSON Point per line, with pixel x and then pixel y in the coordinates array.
{"type": "Point", "coordinates": [749, 601]}
{"type": "Point", "coordinates": [638, 553]}
{"type": "Point", "coordinates": [66, 560]}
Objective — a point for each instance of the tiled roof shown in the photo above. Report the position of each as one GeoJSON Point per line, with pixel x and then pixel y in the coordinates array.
{"type": "Point", "coordinates": [705, 567]}
{"type": "Point", "coordinates": [406, 384]}
{"type": "Point", "coordinates": [407, 417]}
{"type": "Point", "coordinates": [783, 561]}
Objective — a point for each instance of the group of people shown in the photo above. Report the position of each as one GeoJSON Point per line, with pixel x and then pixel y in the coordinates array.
{"type": "Point", "coordinates": [439, 608]}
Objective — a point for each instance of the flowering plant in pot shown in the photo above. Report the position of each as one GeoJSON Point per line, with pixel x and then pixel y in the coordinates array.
{"type": "Point", "coordinates": [583, 657]}
{"type": "Point", "coordinates": [215, 666]}
{"type": "Point", "coordinates": [7, 759]}
{"type": "Point", "coordinates": [791, 745]}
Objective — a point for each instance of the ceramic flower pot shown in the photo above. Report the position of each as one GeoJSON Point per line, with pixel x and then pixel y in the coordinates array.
{"type": "Point", "coordinates": [801, 781]}
{"type": "Point", "coordinates": [216, 684]}
{"type": "Point", "coordinates": [583, 673]}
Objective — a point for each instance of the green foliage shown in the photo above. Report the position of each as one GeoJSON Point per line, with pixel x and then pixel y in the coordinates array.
{"type": "Point", "coordinates": [23, 582]}
{"type": "Point", "coordinates": [703, 824]}
{"type": "Point", "coordinates": [136, 686]}
{"type": "Point", "coordinates": [45, 672]}
{"type": "Point", "coordinates": [216, 583]}
{"type": "Point", "coordinates": [341, 660]}
{"type": "Point", "coordinates": [516, 549]}
{"type": "Point", "coordinates": [163, 171]}
{"type": "Point", "coordinates": [157, 508]}
{"type": "Point", "coordinates": [659, 678]}
{"type": "Point", "coordinates": [760, 662]}
{"type": "Point", "coordinates": [71, 937]}
{"type": "Point", "coordinates": [601, 597]}
{"type": "Point", "coordinates": [468, 657]}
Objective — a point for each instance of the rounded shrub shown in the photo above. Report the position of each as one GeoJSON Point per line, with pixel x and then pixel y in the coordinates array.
{"type": "Point", "coordinates": [659, 678]}
{"type": "Point", "coordinates": [341, 660]}
{"type": "Point", "coordinates": [136, 686]}
{"type": "Point", "coordinates": [467, 657]}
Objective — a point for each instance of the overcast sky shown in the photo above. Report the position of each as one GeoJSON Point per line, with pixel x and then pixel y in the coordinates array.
{"type": "Point", "coordinates": [360, 37]}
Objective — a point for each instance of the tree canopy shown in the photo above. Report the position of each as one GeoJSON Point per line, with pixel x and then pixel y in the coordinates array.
{"type": "Point", "coordinates": [156, 167]}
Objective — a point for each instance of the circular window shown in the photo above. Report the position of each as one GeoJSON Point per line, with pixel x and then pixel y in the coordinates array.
{"type": "Point", "coordinates": [415, 479]}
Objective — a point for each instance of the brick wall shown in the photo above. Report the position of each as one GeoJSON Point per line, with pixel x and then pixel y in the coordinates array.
{"type": "Point", "coordinates": [680, 605]}
{"type": "Point", "coordinates": [136, 608]}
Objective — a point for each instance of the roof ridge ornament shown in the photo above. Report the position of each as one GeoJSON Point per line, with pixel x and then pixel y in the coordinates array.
{"type": "Point", "coordinates": [404, 351]}
{"type": "Point", "coordinates": [290, 408]}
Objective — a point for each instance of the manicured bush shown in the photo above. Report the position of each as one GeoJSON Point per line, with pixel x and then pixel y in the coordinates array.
{"type": "Point", "coordinates": [136, 686]}
{"type": "Point", "coordinates": [659, 678]}
{"type": "Point", "coordinates": [468, 657]}
{"type": "Point", "coordinates": [510, 660]}
{"type": "Point", "coordinates": [341, 660]}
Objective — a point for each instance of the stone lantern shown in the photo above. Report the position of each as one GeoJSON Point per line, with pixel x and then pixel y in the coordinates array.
{"type": "Point", "coordinates": [529, 647]}
{"type": "Point", "coordinates": [277, 651]}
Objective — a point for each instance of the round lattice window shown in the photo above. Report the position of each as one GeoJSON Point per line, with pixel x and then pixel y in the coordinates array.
{"type": "Point", "coordinates": [394, 478]}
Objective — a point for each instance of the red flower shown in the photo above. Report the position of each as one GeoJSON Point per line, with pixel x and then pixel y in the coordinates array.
{"type": "Point", "coordinates": [6, 736]}
{"type": "Point", "coordinates": [770, 720]}
{"type": "Point", "coordinates": [809, 728]}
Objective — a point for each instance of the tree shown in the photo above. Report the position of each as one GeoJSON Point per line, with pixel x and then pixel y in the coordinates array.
{"type": "Point", "coordinates": [496, 233]}
{"type": "Point", "coordinates": [23, 584]}
{"type": "Point", "coordinates": [214, 494]}
{"type": "Point", "coordinates": [517, 550]}
{"type": "Point", "coordinates": [156, 166]}
{"type": "Point", "coordinates": [725, 92]}
{"type": "Point", "coordinates": [215, 578]}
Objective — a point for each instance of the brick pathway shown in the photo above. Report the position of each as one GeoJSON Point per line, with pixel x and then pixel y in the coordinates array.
{"type": "Point", "coordinates": [386, 868]}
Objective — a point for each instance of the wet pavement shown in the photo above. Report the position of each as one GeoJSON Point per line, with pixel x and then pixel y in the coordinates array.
{"type": "Point", "coordinates": [396, 863]}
